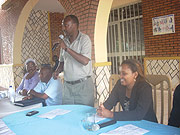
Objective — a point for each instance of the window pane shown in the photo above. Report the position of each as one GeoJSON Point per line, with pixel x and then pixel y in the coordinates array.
{"type": "Point", "coordinates": [113, 39]}
{"type": "Point", "coordinates": [136, 9]}
{"type": "Point", "coordinates": [140, 8]}
{"type": "Point", "coordinates": [112, 16]}
{"type": "Point", "coordinates": [128, 12]}
{"type": "Point", "coordinates": [124, 13]}
{"type": "Point", "coordinates": [110, 40]}
{"type": "Point", "coordinates": [108, 45]}
{"type": "Point", "coordinates": [115, 15]}
{"type": "Point", "coordinates": [132, 10]}
{"type": "Point", "coordinates": [117, 38]}
{"type": "Point", "coordinates": [120, 13]}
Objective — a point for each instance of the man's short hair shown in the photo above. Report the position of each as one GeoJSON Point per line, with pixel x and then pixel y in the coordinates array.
{"type": "Point", "coordinates": [74, 19]}
{"type": "Point", "coordinates": [46, 66]}
{"type": "Point", "coordinates": [30, 60]}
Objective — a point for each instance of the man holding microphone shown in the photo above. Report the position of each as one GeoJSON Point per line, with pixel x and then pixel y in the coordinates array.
{"type": "Point", "coordinates": [75, 61]}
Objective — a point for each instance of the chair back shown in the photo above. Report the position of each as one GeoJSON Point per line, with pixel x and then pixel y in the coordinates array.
{"type": "Point", "coordinates": [162, 96]}
{"type": "Point", "coordinates": [112, 81]}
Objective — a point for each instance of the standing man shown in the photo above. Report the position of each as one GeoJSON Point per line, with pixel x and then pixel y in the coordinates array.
{"type": "Point", "coordinates": [75, 61]}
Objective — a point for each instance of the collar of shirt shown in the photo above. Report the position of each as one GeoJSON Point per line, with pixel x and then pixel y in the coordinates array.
{"type": "Point", "coordinates": [47, 84]}
{"type": "Point", "coordinates": [78, 38]}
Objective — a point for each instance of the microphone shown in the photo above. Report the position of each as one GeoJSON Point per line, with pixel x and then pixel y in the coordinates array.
{"type": "Point", "coordinates": [111, 122]}
{"type": "Point", "coordinates": [56, 44]}
{"type": "Point", "coordinates": [61, 37]}
{"type": "Point", "coordinates": [96, 127]}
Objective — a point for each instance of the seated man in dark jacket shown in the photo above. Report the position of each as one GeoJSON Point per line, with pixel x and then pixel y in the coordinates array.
{"type": "Point", "coordinates": [174, 119]}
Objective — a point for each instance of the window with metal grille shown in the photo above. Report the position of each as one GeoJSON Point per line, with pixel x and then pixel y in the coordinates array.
{"type": "Point", "coordinates": [125, 35]}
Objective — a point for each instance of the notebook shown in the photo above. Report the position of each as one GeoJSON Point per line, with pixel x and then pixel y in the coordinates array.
{"type": "Point", "coordinates": [28, 102]}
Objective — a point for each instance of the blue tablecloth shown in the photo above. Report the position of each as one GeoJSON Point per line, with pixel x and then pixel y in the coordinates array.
{"type": "Point", "coordinates": [70, 123]}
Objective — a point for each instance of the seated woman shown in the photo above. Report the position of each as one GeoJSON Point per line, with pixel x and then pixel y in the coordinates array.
{"type": "Point", "coordinates": [30, 79]}
{"type": "Point", "coordinates": [133, 93]}
{"type": "Point", "coordinates": [174, 119]}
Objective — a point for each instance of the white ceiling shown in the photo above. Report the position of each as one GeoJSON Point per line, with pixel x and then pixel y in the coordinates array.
{"type": "Point", "coordinates": [49, 5]}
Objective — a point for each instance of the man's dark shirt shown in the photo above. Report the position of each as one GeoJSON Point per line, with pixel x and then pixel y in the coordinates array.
{"type": "Point", "coordinates": [174, 119]}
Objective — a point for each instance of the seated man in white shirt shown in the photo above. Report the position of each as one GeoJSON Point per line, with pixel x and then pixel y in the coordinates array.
{"type": "Point", "coordinates": [48, 88]}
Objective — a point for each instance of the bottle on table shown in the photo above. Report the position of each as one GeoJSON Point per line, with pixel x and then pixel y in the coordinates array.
{"type": "Point", "coordinates": [11, 94]}
{"type": "Point", "coordinates": [2, 95]}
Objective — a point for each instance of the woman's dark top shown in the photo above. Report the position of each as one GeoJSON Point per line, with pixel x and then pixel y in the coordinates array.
{"type": "Point", "coordinates": [140, 102]}
{"type": "Point", "coordinates": [174, 119]}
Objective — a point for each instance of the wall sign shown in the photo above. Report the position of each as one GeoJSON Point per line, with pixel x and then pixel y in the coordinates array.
{"type": "Point", "coordinates": [163, 24]}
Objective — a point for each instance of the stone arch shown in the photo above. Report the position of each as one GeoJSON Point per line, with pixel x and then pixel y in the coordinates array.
{"type": "Point", "coordinates": [100, 32]}
{"type": "Point", "coordinates": [20, 30]}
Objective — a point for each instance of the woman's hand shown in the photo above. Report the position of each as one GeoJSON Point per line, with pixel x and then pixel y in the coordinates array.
{"type": "Point", "coordinates": [103, 112]}
{"type": "Point", "coordinates": [31, 74]}
{"type": "Point", "coordinates": [23, 92]}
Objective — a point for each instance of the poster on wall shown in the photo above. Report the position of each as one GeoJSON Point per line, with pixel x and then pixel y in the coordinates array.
{"type": "Point", "coordinates": [163, 24]}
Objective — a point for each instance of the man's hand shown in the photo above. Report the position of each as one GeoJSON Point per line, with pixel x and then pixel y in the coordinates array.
{"type": "Point", "coordinates": [27, 97]}
{"type": "Point", "coordinates": [39, 95]}
{"type": "Point", "coordinates": [55, 75]}
{"type": "Point", "coordinates": [63, 45]}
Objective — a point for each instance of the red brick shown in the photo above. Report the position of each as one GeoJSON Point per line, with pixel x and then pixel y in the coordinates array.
{"type": "Point", "coordinates": [168, 43]}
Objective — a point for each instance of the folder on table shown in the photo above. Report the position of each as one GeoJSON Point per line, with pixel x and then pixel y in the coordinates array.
{"type": "Point", "coordinates": [28, 102]}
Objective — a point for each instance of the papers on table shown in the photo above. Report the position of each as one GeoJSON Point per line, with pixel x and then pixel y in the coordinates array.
{"type": "Point", "coordinates": [54, 113]}
{"type": "Point", "coordinates": [126, 130]}
{"type": "Point", "coordinates": [4, 130]}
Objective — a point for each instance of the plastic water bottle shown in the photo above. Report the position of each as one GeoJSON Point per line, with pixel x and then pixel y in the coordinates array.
{"type": "Point", "coordinates": [2, 95]}
{"type": "Point", "coordinates": [11, 94]}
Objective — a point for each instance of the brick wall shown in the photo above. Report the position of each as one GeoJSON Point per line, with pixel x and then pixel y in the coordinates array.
{"type": "Point", "coordinates": [8, 21]}
{"type": "Point", "coordinates": [161, 45]}
{"type": "Point", "coordinates": [56, 28]}
{"type": "Point", "coordinates": [85, 10]}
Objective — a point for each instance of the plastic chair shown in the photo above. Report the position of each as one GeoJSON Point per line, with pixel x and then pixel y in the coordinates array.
{"type": "Point", "coordinates": [162, 96]}
{"type": "Point", "coordinates": [112, 81]}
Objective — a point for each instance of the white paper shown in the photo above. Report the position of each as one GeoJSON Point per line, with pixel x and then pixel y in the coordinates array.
{"type": "Point", "coordinates": [54, 113]}
{"type": "Point", "coordinates": [98, 118]}
{"type": "Point", "coordinates": [127, 130]}
{"type": "Point", "coordinates": [4, 130]}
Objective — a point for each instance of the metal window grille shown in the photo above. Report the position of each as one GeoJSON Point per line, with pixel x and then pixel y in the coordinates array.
{"type": "Point", "coordinates": [125, 36]}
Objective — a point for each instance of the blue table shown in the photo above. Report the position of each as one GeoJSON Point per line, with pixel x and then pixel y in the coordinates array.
{"type": "Point", "coordinates": [70, 123]}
